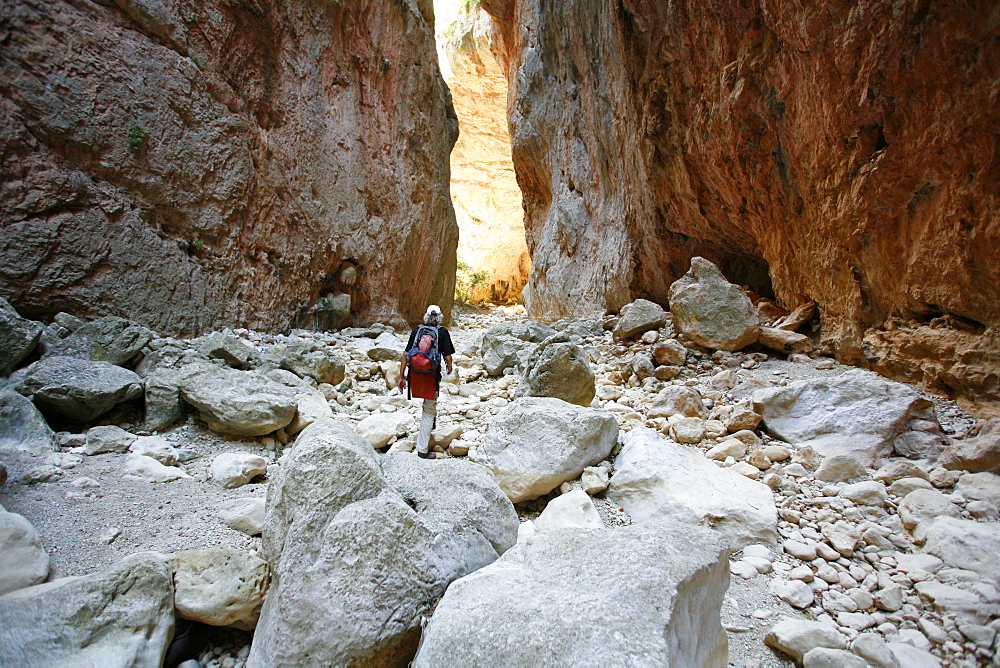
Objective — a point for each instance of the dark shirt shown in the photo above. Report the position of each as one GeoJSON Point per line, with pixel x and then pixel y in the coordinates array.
{"type": "Point", "coordinates": [445, 346]}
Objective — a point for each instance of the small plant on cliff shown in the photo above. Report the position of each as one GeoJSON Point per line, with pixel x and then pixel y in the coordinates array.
{"type": "Point", "coordinates": [137, 136]}
{"type": "Point", "coordinates": [199, 61]}
{"type": "Point", "coordinates": [466, 281]}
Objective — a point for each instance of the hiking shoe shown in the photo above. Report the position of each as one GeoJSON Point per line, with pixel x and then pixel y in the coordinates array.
{"type": "Point", "coordinates": [424, 455]}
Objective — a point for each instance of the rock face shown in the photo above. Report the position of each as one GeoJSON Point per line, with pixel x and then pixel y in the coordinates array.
{"type": "Point", "coordinates": [656, 479]}
{"type": "Point", "coordinates": [549, 597]}
{"type": "Point", "coordinates": [484, 189]}
{"type": "Point", "coordinates": [357, 561]}
{"type": "Point", "coordinates": [804, 149]}
{"type": "Point", "coordinates": [195, 165]}
{"type": "Point", "coordinates": [538, 443]}
{"type": "Point", "coordinates": [123, 616]}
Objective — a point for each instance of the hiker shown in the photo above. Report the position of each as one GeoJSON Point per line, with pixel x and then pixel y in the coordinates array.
{"type": "Point", "coordinates": [428, 345]}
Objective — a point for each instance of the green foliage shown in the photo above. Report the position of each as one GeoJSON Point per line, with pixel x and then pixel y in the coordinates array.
{"type": "Point", "coordinates": [136, 136]}
{"type": "Point", "coordinates": [200, 61]}
{"type": "Point", "coordinates": [466, 281]}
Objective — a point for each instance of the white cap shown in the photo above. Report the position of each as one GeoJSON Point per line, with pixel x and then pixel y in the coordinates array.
{"type": "Point", "coordinates": [433, 314]}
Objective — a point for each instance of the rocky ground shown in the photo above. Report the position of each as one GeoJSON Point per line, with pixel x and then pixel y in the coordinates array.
{"type": "Point", "coordinates": [89, 514]}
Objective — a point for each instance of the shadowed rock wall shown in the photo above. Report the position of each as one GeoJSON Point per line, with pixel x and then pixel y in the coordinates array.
{"type": "Point", "coordinates": [846, 150]}
{"type": "Point", "coordinates": [273, 145]}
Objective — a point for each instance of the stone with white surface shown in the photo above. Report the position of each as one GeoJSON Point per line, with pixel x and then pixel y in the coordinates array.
{"type": "Point", "coordinates": [537, 443]}
{"type": "Point", "coordinates": [244, 515]}
{"type": "Point", "coordinates": [235, 469]}
{"type": "Point", "coordinates": [793, 592]}
{"type": "Point", "coordinates": [147, 469]}
{"type": "Point", "coordinates": [220, 586]}
{"type": "Point", "coordinates": [666, 612]}
{"type": "Point", "coordinates": [656, 478]}
{"type": "Point", "coordinates": [795, 637]}
{"type": "Point", "coordinates": [156, 447]}
{"type": "Point", "coordinates": [857, 413]}
{"type": "Point", "coordinates": [23, 561]}
{"type": "Point", "coordinates": [964, 544]}
{"type": "Point", "coordinates": [711, 311]}
{"type": "Point", "coordinates": [571, 510]}
{"type": "Point", "coordinates": [380, 428]}
{"type": "Point", "coordinates": [925, 504]}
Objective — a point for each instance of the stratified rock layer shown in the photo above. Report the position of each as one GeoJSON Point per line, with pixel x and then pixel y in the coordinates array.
{"type": "Point", "coordinates": [841, 149]}
{"type": "Point", "coordinates": [193, 165]}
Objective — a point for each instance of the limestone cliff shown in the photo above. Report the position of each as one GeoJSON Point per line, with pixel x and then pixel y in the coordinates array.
{"type": "Point", "coordinates": [484, 189]}
{"type": "Point", "coordinates": [194, 165]}
{"type": "Point", "coordinates": [840, 152]}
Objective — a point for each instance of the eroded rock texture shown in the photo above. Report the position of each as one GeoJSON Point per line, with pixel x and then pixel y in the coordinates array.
{"type": "Point", "coordinates": [194, 165]}
{"type": "Point", "coordinates": [844, 149]}
{"type": "Point", "coordinates": [484, 189]}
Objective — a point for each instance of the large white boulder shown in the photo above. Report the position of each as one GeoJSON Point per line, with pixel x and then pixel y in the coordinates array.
{"type": "Point", "coordinates": [857, 413]}
{"type": "Point", "coordinates": [311, 407]}
{"type": "Point", "coordinates": [313, 359]}
{"type": "Point", "coordinates": [711, 311]}
{"type": "Point", "coordinates": [964, 544]}
{"type": "Point", "coordinates": [358, 554]}
{"type": "Point", "coordinates": [156, 447]}
{"type": "Point", "coordinates": [538, 443]}
{"type": "Point", "coordinates": [23, 562]}
{"type": "Point", "coordinates": [220, 586]}
{"type": "Point", "coordinates": [574, 509]}
{"type": "Point", "coordinates": [656, 478]}
{"type": "Point", "coordinates": [550, 597]}
{"type": "Point", "coordinates": [244, 403]}
{"type": "Point", "coordinates": [123, 616]}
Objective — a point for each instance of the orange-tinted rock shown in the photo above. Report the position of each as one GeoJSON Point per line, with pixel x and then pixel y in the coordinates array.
{"type": "Point", "coordinates": [843, 149]}
{"type": "Point", "coordinates": [483, 187]}
{"type": "Point", "coordinates": [194, 165]}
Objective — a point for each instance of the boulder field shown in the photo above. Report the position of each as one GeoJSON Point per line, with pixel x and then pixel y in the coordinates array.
{"type": "Point", "coordinates": [260, 493]}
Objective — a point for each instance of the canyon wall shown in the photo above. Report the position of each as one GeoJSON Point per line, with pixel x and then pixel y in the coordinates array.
{"type": "Point", "coordinates": [842, 152]}
{"type": "Point", "coordinates": [195, 165]}
{"type": "Point", "coordinates": [484, 189]}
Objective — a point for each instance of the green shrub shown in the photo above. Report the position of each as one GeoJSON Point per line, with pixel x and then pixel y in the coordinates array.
{"type": "Point", "coordinates": [466, 281]}
{"type": "Point", "coordinates": [136, 136]}
{"type": "Point", "coordinates": [199, 61]}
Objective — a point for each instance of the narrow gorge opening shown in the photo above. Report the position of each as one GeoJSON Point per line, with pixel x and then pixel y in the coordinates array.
{"type": "Point", "coordinates": [493, 258]}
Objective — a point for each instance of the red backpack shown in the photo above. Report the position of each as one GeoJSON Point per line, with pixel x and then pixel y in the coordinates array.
{"type": "Point", "coordinates": [424, 356]}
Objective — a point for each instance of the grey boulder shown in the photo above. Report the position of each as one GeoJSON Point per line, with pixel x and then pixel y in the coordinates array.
{"type": "Point", "coordinates": [558, 369]}
{"type": "Point", "coordinates": [112, 339]}
{"type": "Point", "coordinates": [18, 337]}
{"type": "Point", "coordinates": [639, 317]}
{"type": "Point", "coordinates": [22, 427]}
{"type": "Point", "coordinates": [550, 597]}
{"type": "Point", "coordinates": [23, 561]}
{"type": "Point", "coordinates": [857, 413]}
{"type": "Point", "coordinates": [537, 443]}
{"type": "Point", "coordinates": [711, 311]}
{"type": "Point", "coordinates": [243, 403]}
{"type": "Point", "coordinates": [78, 390]}
{"type": "Point", "coordinates": [123, 616]}
{"type": "Point", "coordinates": [356, 563]}
{"type": "Point", "coordinates": [311, 359]}
{"type": "Point", "coordinates": [977, 452]}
